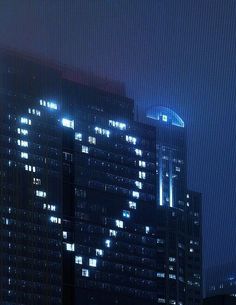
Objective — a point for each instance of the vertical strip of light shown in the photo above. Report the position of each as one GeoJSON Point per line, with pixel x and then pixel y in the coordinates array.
{"type": "Point", "coordinates": [171, 180]}
{"type": "Point", "coordinates": [160, 179]}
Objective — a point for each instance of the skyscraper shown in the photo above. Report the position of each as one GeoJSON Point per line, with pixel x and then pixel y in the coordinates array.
{"type": "Point", "coordinates": [95, 208]}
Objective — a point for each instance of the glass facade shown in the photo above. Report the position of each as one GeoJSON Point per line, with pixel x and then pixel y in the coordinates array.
{"type": "Point", "coordinates": [94, 204]}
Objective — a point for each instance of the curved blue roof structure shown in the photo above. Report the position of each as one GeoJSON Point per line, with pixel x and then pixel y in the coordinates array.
{"type": "Point", "coordinates": [165, 114]}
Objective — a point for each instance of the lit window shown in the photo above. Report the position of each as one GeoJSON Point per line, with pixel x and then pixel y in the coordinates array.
{"type": "Point", "coordinates": [68, 123]}
{"type": "Point", "coordinates": [108, 243]}
{"type": "Point", "coordinates": [99, 252]}
{"type": "Point", "coordinates": [41, 194]}
{"type": "Point", "coordinates": [142, 163]}
{"type": "Point", "coordinates": [160, 241]}
{"type": "Point", "coordinates": [102, 131]}
{"type": "Point", "coordinates": [92, 262]}
{"type": "Point", "coordinates": [22, 143]}
{"type": "Point", "coordinates": [141, 175]}
{"type": "Point", "coordinates": [187, 195]}
{"type": "Point", "coordinates": [22, 131]}
{"type": "Point", "coordinates": [112, 233]}
{"type": "Point", "coordinates": [78, 136]}
{"type": "Point", "coordinates": [161, 301]}
{"type": "Point", "coordinates": [160, 274]}
{"type": "Point", "coordinates": [130, 139]}
{"type": "Point", "coordinates": [36, 181]}
{"type": "Point", "coordinates": [85, 272]}
{"type": "Point", "coordinates": [92, 140]}
{"type": "Point", "coordinates": [172, 259]}
{"type": "Point", "coordinates": [138, 152]}
{"type": "Point", "coordinates": [70, 247]}
{"type": "Point", "coordinates": [85, 149]}
{"type": "Point", "coordinates": [52, 105]}
{"type": "Point", "coordinates": [79, 260]}
{"type": "Point", "coordinates": [139, 184]}
{"type": "Point", "coordinates": [30, 168]}
{"type": "Point", "coordinates": [126, 214]}
{"type": "Point", "coordinates": [132, 205]}
{"type": "Point", "coordinates": [191, 250]}
{"type": "Point", "coordinates": [64, 234]}
{"type": "Point", "coordinates": [121, 126]}
{"type": "Point", "coordinates": [25, 121]}
{"type": "Point", "coordinates": [135, 194]}
{"type": "Point", "coordinates": [147, 229]}
{"type": "Point", "coordinates": [24, 155]}
{"type": "Point", "coordinates": [164, 118]}
{"type": "Point", "coordinates": [177, 168]}
{"type": "Point", "coordinates": [172, 276]}
{"type": "Point", "coordinates": [34, 111]}
{"type": "Point", "coordinates": [119, 224]}
{"type": "Point", "coordinates": [55, 219]}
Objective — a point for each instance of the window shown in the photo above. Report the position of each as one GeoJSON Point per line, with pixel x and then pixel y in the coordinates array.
{"type": "Point", "coordinates": [24, 155]}
{"type": "Point", "coordinates": [30, 168]}
{"type": "Point", "coordinates": [172, 276]}
{"type": "Point", "coordinates": [126, 214]}
{"type": "Point", "coordinates": [34, 111]}
{"type": "Point", "coordinates": [92, 262]}
{"type": "Point", "coordinates": [139, 184]}
{"type": "Point", "coordinates": [142, 163]}
{"type": "Point", "coordinates": [25, 121]}
{"type": "Point", "coordinates": [161, 274]}
{"type": "Point", "coordinates": [79, 260]}
{"type": "Point", "coordinates": [135, 194]}
{"type": "Point", "coordinates": [78, 136]}
{"type": "Point", "coordinates": [113, 233]}
{"type": "Point", "coordinates": [24, 132]}
{"type": "Point", "coordinates": [41, 194]}
{"type": "Point", "coordinates": [130, 139]}
{"type": "Point", "coordinates": [55, 219]}
{"type": "Point", "coordinates": [141, 175]}
{"type": "Point", "coordinates": [172, 259]}
{"type": "Point", "coordinates": [92, 140]}
{"type": "Point", "coordinates": [36, 181]}
{"type": "Point", "coordinates": [102, 131]}
{"type": "Point", "coordinates": [121, 126]}
{"type": "Point", "coordinates": [119, 224]}
{"type": "Point", "coordinates": [64, 234]}
{"type": "Point", "coordinates": [50, 105]}
{"type": "Point", "coordinates": [70, 247]}
{"type": "Point", "coordinates": [22, 143]}
{"type": "Point", "coordinates": [68, 123]}
{"type": "Point", "coordinates": [177, 168]}
{"type": "Point", "coordinates": [99, 252]}
{"type": "Point", "coordinates": [108, 243]}
{"type": "Point", "coordinates": [147, 229]}
{"type": "Point", "coordinates": [164, 118]}
{"type": "Point", "coordinates": [132, 205]}
{"type": "Point", "coordinates": [85, 149]}
{"type": "Point", "coordinates": [85, 272]}
{"type": "Point", "coordinates": [138, 152]}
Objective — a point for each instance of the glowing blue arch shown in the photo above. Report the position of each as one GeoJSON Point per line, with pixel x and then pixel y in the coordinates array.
{"type": "Point", "coordinates": [164, 114]}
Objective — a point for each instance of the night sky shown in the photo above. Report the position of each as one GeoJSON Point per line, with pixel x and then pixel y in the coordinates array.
{"type": "Point", "coordinates": [175, 53]}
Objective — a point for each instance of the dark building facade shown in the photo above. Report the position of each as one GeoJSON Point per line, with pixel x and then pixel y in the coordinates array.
{"type": "Point", "coordinates": [220, 300]}
{"type": "Point", "coordinates": [94, 208]}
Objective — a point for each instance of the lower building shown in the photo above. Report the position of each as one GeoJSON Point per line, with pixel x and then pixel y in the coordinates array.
{"type": "Point", "coordinates": [220, 300]}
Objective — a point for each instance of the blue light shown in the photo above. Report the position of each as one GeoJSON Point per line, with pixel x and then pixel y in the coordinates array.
{"type": "Point", "coordinates": [126, 214]}
{"type": "Point", "coordinates": [68, 123]}
{"type": "Point", "coordinates": [165, 114]}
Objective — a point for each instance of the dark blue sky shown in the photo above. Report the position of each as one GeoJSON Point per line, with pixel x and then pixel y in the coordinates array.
{"type": "Point", "coordinates": [179, 54]}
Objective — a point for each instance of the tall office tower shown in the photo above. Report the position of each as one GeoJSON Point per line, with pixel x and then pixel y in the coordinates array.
{"type": "Point", "coordinates": [94, 204]}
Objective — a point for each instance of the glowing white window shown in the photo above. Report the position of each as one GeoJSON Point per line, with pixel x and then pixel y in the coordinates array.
{"type": "Point", "coordinates": [102, 131]}
{"type": "Point", "coordinates": [25, 121]}
{"type": "Point", "coordinates": [68, 123]}
{"type": "Point", "coordinates": [112, 233]}
{"type": "Point", "coordinates": [139, 184]}
{"type": "Point", "coordinates": [164, 118]}
{"type": "Point", "coordinates": [41, 194]}
{"type": "Point", "coordinates": [132, 205]}
{"type": "Point", "coordinates": [172, 259]}
{"type": "Point", "coordinates": [64, 234]}
{"type": "Point", "coordinates": [85, 272]}
{"type": "Point", "coordinates": [130, 139]}
{"type": "Point", "coordinates": [99, 252]}
{"type": "Point", "coordinates": [142, 163]}
{"type": "Point", "coordinates": [119, 224]}
{"type": "Point", "coordinates": [70, 247]}
{"type": "Point", "coordinates": [191, 250]}
{"type": "Point", "coordinates": [52, 105]}
{"type": "Point", "coordinates": [79, 260]}
{"type": "Point", "coordinates": [172, 276]}
{"type": "Point", "coordinates": [141, 175]}
{"type": "Point", "coordinates": [22, 143]}
{"type": "Point", "coordinates": [126, 214]}
{"type": "Point", "coordinates": [85, 149]}
{"type": "Point", "coordinates": [24, 155]}
{"type": "Point", "coordinates": [138, 152]}
{"type": "Point", "coordinates": [92, 140]}
{"type": "Point", "coordinates": [36, 181]}
{"type": "Point", "coordinates": [147, 229]}
{"type": "Point", "coordinates": [55, 219]}
{"type": "Point", "coordinates": [92, 262]}
{"type": "Point", "coordinates": [160, 274]}
{"type": "Point", "coordinates": [108, 243]}
{"type": "Point", "coordinates": [135, 194]}
{"type": "Point", "coordinates": [177, 168]}
{"type": "Point", "coordinates": [78, 136]}
{"type": "Point", "coordinates": [121, 126]}
{"type": "Point", "coordinates": [22, 131]}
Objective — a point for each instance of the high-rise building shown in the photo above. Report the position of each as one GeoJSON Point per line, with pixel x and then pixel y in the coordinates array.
{"type": "Point", "coordinates": [95, 208]}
